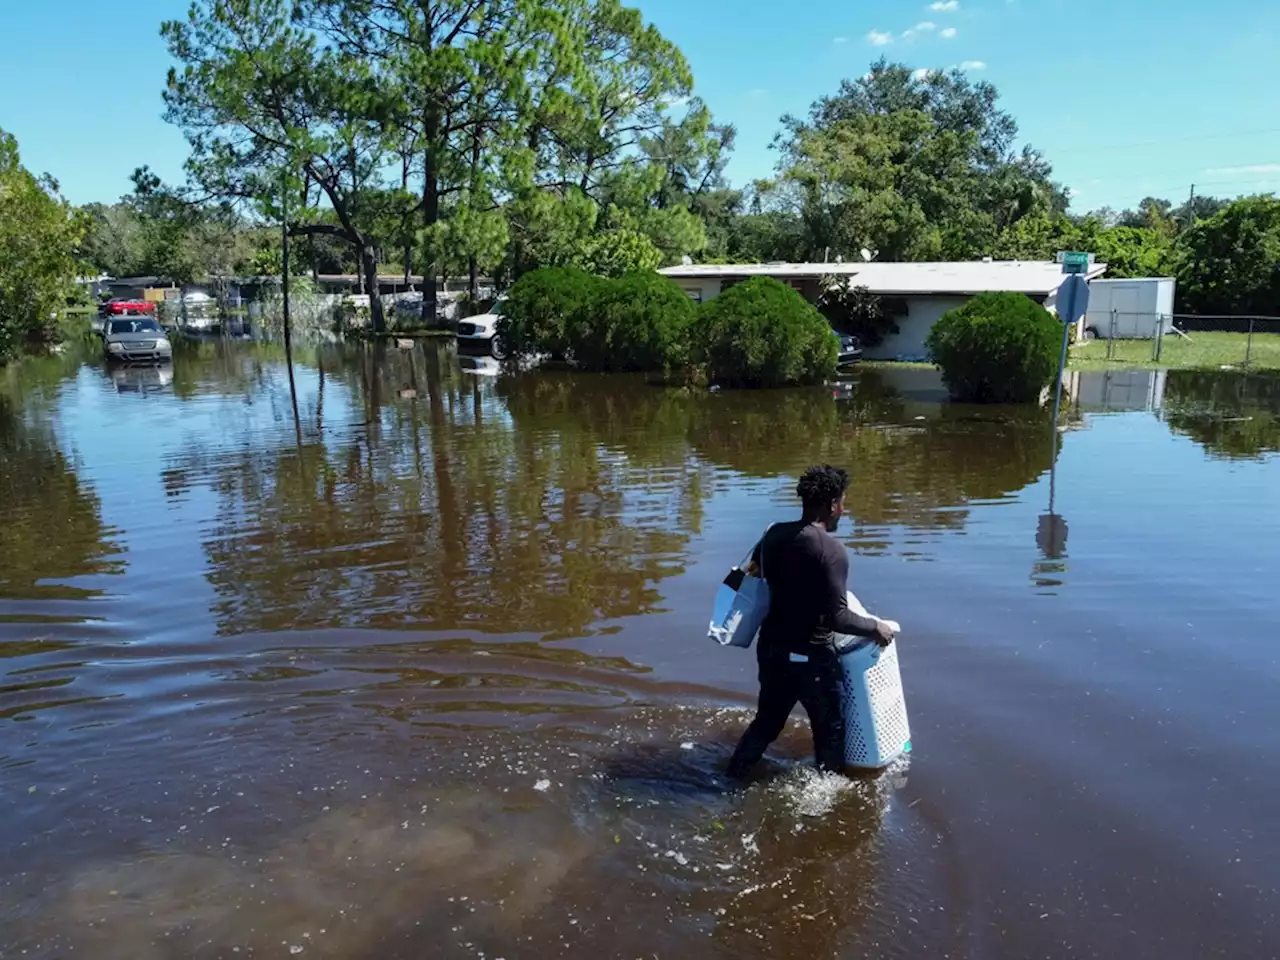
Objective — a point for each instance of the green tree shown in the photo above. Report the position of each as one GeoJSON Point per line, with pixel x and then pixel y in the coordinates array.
{"type": "Point", "coordinates": [39, 235]}
{"type": "Point", "coordinates": [952, 100]}
{"type": "Point", "coordinates": [614, 253]}
{"type": "Point", "coordinates": [113, 239]}
{"type": "Point", "coordinates": [453, 87]}
{"type": "Point", "coordinates": [598, 137]}
{"type": "Point", "coordinates": [756, 235]}
{"type": "Point", "coordinates": [911, 168]}
{"type": "Point", "coordinates": [1037, 237]}
{"type": "Point", "coordinates": [273, 107]}
{"type": "Point", "coordinates": [1230, 263]}
{"type": "Point", "coordinates": [1135, 252]}
{"type": "Point", "coordinates": [1153, 213]}
{"type": "Point", "coordinates": [874, 181]}
{"type": "Point", "coordinates": [855, 310]}
{"type": "Point", "coordinates": [549, 229]}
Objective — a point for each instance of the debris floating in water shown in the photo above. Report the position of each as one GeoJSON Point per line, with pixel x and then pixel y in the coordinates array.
{"type": "Point", "coordinates": [542, 786]}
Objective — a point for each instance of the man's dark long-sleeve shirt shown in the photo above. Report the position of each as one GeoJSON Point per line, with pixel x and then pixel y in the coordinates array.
{"type": "Point", "coordinates": [807, 571]}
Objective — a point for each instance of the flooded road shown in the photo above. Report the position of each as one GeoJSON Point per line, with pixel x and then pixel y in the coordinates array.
{"type": "Point", "coordinates": [423, 671]}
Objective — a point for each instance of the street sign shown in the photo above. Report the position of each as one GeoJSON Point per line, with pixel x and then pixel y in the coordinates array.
{"type": "Point", "coordinates": [1075, 261]}
{"type": "Point", "coordinates": [1073, 299]}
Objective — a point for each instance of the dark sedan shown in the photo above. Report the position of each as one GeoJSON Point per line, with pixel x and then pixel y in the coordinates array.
{"type": "Point", "coordinates": [850, 349]}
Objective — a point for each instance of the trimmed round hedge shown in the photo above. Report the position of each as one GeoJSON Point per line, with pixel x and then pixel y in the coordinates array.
{"type": "Point", "coordinates": [996, 348]}
{"type": "Point", "coordinates": [540, 309]}
{"type": "Point", "coordinates": [637, 322]}
{"type": "Point", "coordinates": [762, 333]}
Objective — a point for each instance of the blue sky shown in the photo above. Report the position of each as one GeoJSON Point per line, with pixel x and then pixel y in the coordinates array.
{"type": "Point", "coordinates": [1125, 97]}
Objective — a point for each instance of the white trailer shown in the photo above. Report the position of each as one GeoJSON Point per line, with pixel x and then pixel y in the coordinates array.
{"type": "Point", "coordinates": [1129, 309]}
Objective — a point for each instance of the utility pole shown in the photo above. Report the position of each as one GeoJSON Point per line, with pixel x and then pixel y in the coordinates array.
{"type": "Point", "coordinates": [1191, 208]}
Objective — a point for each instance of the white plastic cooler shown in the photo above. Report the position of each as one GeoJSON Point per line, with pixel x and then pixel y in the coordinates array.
{"type": "Point", "coordinates": [873, 704]}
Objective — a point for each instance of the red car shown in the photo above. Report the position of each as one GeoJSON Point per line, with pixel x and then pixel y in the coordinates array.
{"type": "Point", "coordinates": [121, 306]}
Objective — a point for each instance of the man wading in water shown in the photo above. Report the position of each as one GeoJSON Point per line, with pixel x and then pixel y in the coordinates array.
{"type": "Point", "coordinates": [807, 572]}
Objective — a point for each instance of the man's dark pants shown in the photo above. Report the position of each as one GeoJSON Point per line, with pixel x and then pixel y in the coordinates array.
{"type": "Point", "coordinates": [783, 683]}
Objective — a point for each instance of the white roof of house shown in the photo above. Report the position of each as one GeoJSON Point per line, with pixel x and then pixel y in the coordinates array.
{"type": "Point", "coordinates": [961, 277]}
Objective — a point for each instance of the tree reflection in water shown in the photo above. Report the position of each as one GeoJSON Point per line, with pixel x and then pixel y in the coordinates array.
{"type": "Point", "coordinates": [51, 526]}
{"type": "Point", "coordinates": [550, 503]}
{"type": "Point", "coordinates": [1230, 414]}
{"type": "Point", "coordinates": [437, 511]}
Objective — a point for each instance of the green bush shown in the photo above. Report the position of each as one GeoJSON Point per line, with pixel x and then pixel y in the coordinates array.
{"type": "Point", "coordinates": [761, 333]}
{"type": "Point", "coordinates": [997, 348]}
{"type": "Point", "coordinates": [637, 322]}
{"type": "Point", "coordinates": [541, 307]}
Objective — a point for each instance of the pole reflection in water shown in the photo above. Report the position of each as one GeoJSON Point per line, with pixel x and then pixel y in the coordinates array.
{"type": "Point", "coordinates": [1051, 528]}
{"type": "Point", "coordinates": [284, 306]}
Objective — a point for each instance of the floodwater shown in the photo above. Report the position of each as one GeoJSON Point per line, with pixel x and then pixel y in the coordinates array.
{"type": "Point", "coordinates": [421, 672]}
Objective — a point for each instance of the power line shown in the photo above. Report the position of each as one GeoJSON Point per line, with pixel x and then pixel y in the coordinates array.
{"type": "Point", "coordinates": [1265, 167]}
{"type": "Point", "coordinates": [1156, 191]}
{"type": "Point", "coordinates": [1164, 140]}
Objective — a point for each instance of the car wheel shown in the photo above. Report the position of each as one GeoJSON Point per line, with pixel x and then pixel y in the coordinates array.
{"type": "Point", "coordinates": [497, 348]}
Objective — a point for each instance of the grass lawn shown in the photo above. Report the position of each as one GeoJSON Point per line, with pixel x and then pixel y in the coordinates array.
{"type": "Point", "coordinates": [1203, 350]}
{"type": "Point", "coordinates": [894, 365]}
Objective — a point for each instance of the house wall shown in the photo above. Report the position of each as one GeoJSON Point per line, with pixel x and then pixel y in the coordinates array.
{"type": "Point", "coordinates": [908, 342]}
{"type": "Point", "coordinates": [699, 289]}
{"type": "Point", "coordinates": [923, 311]}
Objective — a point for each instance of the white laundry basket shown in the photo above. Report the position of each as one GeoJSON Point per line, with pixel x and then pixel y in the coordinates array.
{"type": "Point", "coordinates": [876, 731]}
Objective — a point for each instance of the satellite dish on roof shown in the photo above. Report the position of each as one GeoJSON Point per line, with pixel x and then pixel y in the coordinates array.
{"type": "Point", "coordinates": [867, 255]}
{"type": "Point", "coordinates": [687, 260]}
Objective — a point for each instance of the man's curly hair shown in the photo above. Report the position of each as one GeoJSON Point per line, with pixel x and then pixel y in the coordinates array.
{"type": "Point", "coordinates": [822, 486]}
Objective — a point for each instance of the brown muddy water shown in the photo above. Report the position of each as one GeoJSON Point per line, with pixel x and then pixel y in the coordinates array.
{"type": "Point", "coordinates": [423, 673]}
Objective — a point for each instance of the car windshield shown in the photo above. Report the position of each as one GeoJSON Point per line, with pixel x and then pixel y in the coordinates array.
{"type": "Point", "coordinates": [134, 326]}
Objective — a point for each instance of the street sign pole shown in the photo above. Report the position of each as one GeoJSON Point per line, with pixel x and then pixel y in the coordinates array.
{"type": "Point", "coordinates": [1073, 302]}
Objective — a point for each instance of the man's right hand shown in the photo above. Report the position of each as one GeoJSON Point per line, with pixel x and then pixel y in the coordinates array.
{"type": "Point", "coordinates": [884, 633]}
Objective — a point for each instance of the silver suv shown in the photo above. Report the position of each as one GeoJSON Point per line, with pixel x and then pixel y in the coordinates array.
{"type": "Point", "coordinates": [135, 340]}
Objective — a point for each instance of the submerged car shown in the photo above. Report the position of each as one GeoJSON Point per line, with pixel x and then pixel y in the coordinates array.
{"type": "Point", "coordinates": [136, 340]}
{"type": "Point", "coordinates": [482, 330]}
{"type": "Point", "coordinates": [123, 306]}
{"type": "Point", "coordinates": [850, 349]}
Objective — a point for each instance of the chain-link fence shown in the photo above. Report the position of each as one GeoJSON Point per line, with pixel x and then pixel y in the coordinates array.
{"type": "Point", "coordinates": [314, 315]}
{"type": "Point", "coordinates": [1261, 334]}
{"type": "Point", "coordinates": [1194, 339]}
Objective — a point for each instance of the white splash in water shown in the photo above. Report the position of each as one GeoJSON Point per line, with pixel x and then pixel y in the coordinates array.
{"type": "Point", "coordinates": [542, 786]}
{"type": "Point", "coordinates": [813, 794]}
